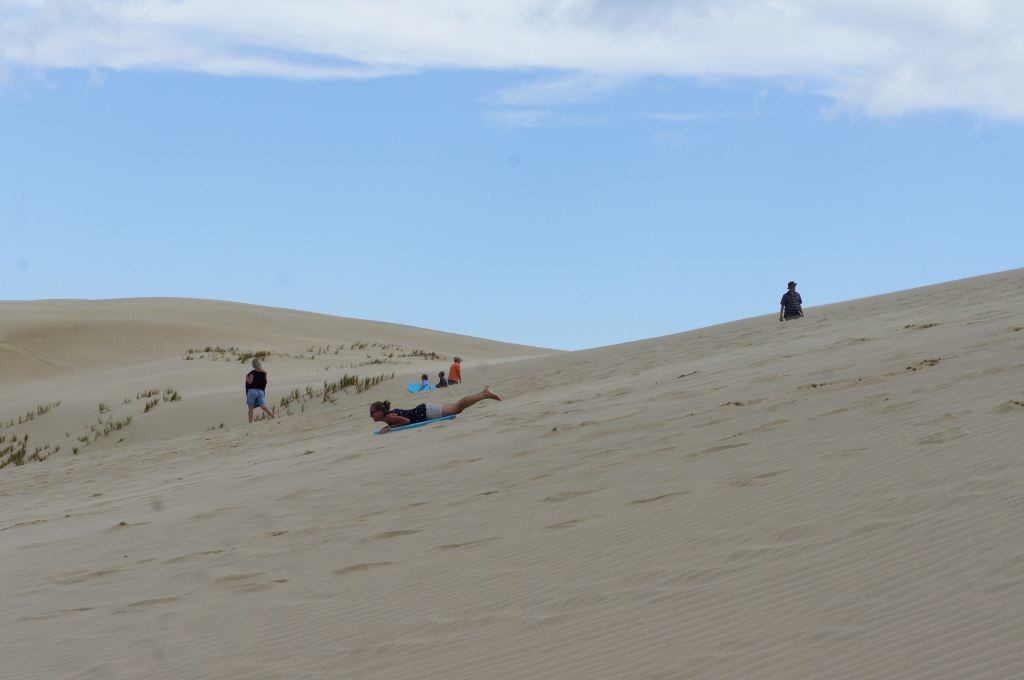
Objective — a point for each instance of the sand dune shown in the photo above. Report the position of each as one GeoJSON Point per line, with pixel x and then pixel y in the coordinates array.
{"type": "Point", "coordinates": [124, 354]}
{"type": "Point", "coordinates": [837, 497]}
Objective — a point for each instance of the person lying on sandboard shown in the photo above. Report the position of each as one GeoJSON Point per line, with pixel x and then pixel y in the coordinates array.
{"type": "Point", "coordinates": [397, 417]}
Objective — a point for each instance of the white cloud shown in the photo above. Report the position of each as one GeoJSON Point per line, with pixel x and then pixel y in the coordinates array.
{"type": "Point", "coordinates": [572, 89]}
{"type": "Point", "coordinates": [524, 118]}
{"type": "Point", "coordinates": [883, 57]}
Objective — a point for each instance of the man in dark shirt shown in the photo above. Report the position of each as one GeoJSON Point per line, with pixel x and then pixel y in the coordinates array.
{"type": "Point", "coordinates": [792, 307]}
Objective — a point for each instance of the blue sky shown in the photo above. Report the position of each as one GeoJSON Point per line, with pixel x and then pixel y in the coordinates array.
{"type": "Point", "coordinates": [534, 203]}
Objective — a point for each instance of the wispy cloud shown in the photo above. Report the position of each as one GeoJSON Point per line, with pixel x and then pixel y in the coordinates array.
{"type": "Point", "coordinates": [882, 57]}
{"type": "Point", "coordinates": [569, 89]}
{"type": "Point", "coordinates": [519, 118]}
{"type": "Point", "coordinates": [531, 118]}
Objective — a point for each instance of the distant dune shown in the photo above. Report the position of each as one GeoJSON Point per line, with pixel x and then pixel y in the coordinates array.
{"type": "Point", "coordinates": [835, 497]}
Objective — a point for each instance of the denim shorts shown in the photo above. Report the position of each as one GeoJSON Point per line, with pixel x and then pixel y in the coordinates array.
{"type": "Point", "coordinates": [255, 398]}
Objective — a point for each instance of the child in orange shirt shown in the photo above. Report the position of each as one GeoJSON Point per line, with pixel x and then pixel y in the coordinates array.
{"type": "Point", "coordinates": [455, 372]}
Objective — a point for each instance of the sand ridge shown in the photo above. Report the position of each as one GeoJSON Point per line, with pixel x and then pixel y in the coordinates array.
{"type": "Point", "coordinates": [833, 497]}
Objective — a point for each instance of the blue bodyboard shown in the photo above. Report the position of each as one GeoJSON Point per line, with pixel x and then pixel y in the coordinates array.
{"type": "Point", "coordinates": [422, 422]}
{"type": "Point", "coordinates": [418, 387]}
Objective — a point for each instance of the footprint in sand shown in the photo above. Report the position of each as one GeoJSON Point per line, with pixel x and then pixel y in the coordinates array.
{"type": "Point", "coordinates": [243, 582]}
{"type": "Point", "coordinates": [54, 614]}
{"type": "Point", "coordinates": [456, 463]}
{"type": "Point", "coordinates": [364, 566]}
{"type": "Point", "coordinates": [757, 478]}
{"type": "Point", "coordinates": [943, 437]}
{"type": "Point", "coordinates": [467, 544]}
{"type": "Point", "coordinates": [182, 558]}
{"type": "Point", "coordinates": [715, 449]}
{"type": "Point", "coordinates": [81, 576]}
{"type": "Point", "coordinates": [748, 402]}
{"type": "Point", "coordinates": [923, 364]}
{"type": "Point", "coordinates": [146, 604]}
{"type": "Point", "coordinates": [772, 425]}
{"type": "Point", "coordinates": [845, 453]}
{"type": "Point", "coordinates": [393, 534]}
{"type": "Point", "coordinates": [26, 523]}
{"type": "Point", "coordinates": [567, 495]}
{"type": "Point", "coordinates": [122, 525]}
{"type": "Point", "coordinates": [850, 341]}
{"type": "Point", "coordinates": [652, 499]}
{"type": "Point", "coordinates": [210, 514]}
{"type": "Point", "coordinates": [564, 525]}
{"type": "Point", "coordinates": [350, 456]}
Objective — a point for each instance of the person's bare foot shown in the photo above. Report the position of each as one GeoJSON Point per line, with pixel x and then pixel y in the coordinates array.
{"type": "Point", "coordinates": [491, 395]}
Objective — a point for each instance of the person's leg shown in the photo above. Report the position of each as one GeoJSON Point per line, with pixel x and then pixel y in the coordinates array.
{"type": "Point", "coordinates": [268, 412]}
{"type": "Point", "coordinates": [250, 414]}
{"type": "Point", "coordinates": [464, 403]}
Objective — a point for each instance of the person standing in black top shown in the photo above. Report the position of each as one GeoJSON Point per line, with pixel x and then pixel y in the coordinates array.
{"type": "Point", "coordinates": [256, 389]}
{"type": "Point", "coordinates": [792, 306]}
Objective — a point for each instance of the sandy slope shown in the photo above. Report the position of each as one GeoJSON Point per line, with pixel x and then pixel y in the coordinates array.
{"type": "Point", "coordinates": [125, 353]}
{"type": "Point", "coordinates": [836, 497]}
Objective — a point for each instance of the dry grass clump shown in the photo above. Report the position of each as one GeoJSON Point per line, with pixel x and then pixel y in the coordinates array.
{"type": "Point", "coordinates": [215, 352]}
{"type": "Point", "coordinates": [14, 451]}
{"type": "Point", "coordinates": [14, 447]}
{"type": "Point", "coordinates": [41, 409]}
{"type": "Point", "coordinates": [387, 352]}
{"type": "Point", "coordinates": [423, 354]}
{"type": "Point", "coordinates": [244, 357]}
{"type": "Point", "coordinates": [112, 426]}
{"type": "Point", "coordinates": [325, 393]}
{"type": "Point", "coordinates": [169, 394]}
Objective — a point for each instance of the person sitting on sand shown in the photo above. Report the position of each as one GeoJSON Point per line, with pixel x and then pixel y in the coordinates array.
{"type": "Point", "coordinates": [425, 382]}
{"type": "Point", "coordinates": [256, 389]}
{"type": "Point", "coordinates": [455, 372]}
{"type": "Point", "coordinates": [382, 411]}
{"type": "Point", "coordinates": [792, 307]}
{"type": "Point", "coordinates": [441, 381]}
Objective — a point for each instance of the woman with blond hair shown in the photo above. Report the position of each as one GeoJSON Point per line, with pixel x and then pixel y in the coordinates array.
{"type": "Point", "coordinates": [256, 389]}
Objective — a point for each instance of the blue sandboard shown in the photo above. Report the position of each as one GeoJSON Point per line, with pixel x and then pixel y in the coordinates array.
{"type": "Point", "coordinates": [422, 422]}
{"type": "Point", "coordinates": [418, 387]}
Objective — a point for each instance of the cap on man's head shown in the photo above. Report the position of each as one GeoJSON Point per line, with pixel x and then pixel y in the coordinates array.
{"type": "Point", "coordinates": [791, 283]}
